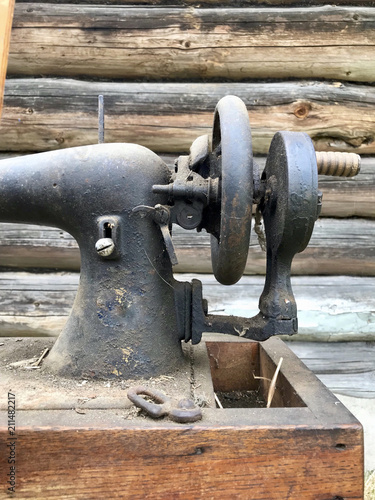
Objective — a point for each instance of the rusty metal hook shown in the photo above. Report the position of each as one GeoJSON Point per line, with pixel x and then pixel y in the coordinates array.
{"type": "Point", "coordinates": [182, 411]}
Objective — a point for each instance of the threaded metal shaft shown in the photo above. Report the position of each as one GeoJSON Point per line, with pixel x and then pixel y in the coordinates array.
{"type": "Point", "coordinates": [338, 164]}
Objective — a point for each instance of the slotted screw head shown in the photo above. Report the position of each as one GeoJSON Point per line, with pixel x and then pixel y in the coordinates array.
{"type": "Point", "coordinates": [105, 247]}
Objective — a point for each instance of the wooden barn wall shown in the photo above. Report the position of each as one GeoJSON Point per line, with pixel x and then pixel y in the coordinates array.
{"type": "Point", "coordinates": [162, 69]}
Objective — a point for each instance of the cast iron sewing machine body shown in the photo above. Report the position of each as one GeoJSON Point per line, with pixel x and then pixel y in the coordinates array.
{"type": "Point", "coordinates": [130, 315]}
{"type": "Point", "coordinates": [119, 201]}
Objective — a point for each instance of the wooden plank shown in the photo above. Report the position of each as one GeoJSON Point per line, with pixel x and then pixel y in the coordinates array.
{"type": "Point", "coordinates": [44, 114]}
{"type": "Point", "coordinates": [182, 462]}
{"type": "Point", "coordinates": [336, 247]}
{"type": "Point", "coordinates": [236, 44]}
{"type": "Point", "coordinates": [336, 318]}
{"type": "Point", "coordinates": [347, 368]}
{"type": "Point", "coordinates": [6, 16]}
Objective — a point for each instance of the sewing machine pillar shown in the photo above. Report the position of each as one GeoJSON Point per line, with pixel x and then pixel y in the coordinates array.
{"type": "Point", "coordinates": [123, 321]}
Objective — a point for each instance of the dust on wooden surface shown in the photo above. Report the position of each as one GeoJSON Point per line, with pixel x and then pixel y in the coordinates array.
{"type": "Point", "coordinates": [37, 389]}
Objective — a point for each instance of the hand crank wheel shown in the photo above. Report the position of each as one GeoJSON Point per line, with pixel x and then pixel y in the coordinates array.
{"type": "Point", "coordinates": [291, 177]}
{"type": "Point", "coordinates": [231, 141]}
{"type": "Point", "coordinates": [290, 209]}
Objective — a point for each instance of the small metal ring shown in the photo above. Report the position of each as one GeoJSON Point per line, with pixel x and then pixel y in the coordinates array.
{"type": "Point", "coordinates": [155, 410]}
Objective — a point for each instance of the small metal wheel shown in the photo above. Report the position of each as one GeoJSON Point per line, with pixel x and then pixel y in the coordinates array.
{"type": "Point", "coordinates": [292, 197]}
{"type": "Point", "coordinates": [231, 142]}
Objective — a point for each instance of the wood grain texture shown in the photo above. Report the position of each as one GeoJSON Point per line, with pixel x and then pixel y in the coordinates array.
{"type": "Point", "coordinates": [45, 114]}
{"type": "Point", "coordinates": [345, 367]}
{"type": "Point", "coordinates": [337, 246]}
{"type": "Point", "coordinates": [186, 463]}
{"type": "Point", "coordinates": [6, 16]}
{"type": "Point", "coordinates": [193, 43]}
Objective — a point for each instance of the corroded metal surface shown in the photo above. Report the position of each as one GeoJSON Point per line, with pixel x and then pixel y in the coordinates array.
{"type": "Point", "coordinates": [122, 322]}
{"type": "Point", "coordinates": [231, 140]}
{"type": "Point", "coordinates": [182, 411]}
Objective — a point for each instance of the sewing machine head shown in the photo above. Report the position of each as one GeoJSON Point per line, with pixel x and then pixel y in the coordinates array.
{"type": "Point", "coordinates": [120, 200]}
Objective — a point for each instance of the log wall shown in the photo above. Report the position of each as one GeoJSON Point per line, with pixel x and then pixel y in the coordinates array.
{"type": "Point", "coordinates": [213, 43]}
{"type": "Point", "coordinates": [43, 113]}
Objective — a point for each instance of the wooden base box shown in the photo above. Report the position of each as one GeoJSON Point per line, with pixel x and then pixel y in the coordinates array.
{"type": "Point", "coordinates": [92, 444]}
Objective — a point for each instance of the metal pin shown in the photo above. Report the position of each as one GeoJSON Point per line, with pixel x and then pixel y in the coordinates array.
{"type": "Point", "coordinates": [100, 119]}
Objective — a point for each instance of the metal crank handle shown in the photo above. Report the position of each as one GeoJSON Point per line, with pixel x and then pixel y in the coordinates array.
{"type": "Point", "coordinates": [338, 164]}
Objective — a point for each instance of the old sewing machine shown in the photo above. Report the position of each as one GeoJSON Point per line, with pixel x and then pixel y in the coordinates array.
{"type": "Point", "coordinates": [131, 315]}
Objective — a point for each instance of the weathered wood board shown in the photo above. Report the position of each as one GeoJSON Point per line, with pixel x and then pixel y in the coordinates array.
{"type": "Point", "coordinates": [337, 246]}
{"type": "Point", "coordinates": [157, 463]}
{"type": "Point", "coordinates": [336, 317]}
{"type": "Point", "coordinates": [184, 43]}
{"type": "Point", "coordinates": [6, 16]}
{"type": "Point", "coordinates": [43, 114]}
{"type": "Point", "coordinates": [345, 367]}
{"type": "Point", "coordinates": [334, 309]}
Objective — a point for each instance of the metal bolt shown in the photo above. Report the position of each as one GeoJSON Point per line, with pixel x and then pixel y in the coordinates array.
{"type": "Point", "coordinates": [338, 164]}
{"type": "Point", "coordinates": [100, 119]}
{"type": "Point", "coordinates": [105, 247]}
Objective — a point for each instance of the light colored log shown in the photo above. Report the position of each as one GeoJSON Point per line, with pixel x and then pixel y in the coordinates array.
{"type": "Point", "coordinates": [336, 247]}
{"type": "Point", "coordinates": [195, 43]}
{"type": "Point", "coordinates": [346, 368]}
{"type": "Point", "coordinates": [44, 114]}
{"type": "Point", "coordinates": [6, 16]}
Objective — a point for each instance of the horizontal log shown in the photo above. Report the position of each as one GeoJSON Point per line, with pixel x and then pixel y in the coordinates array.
{"type": "Point", "coordinates": [346, 368]}
{"type": "Point", "coordinates": [45, 114]}
{"type": "Point", "coordinates": [329, 309]}
{"type": "Point", "coordinates": [347, 199]}
{"type": "Point", "coordinates": [201, 43]}
{"type": "Point", "coordinates": [336, 247]}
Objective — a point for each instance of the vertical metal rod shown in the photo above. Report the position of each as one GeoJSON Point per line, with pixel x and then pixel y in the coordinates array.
{"type": "Point", "coordinates": [100, 119]}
